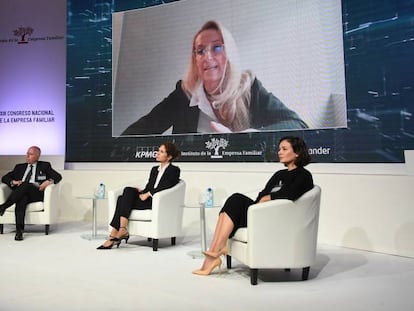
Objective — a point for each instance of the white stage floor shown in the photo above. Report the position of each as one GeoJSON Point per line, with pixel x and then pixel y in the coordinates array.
{"type": "Point", "coordinates": [62, 271]}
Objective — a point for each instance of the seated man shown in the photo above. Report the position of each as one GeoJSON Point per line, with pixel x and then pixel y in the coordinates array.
{"type": "Point", "coordinates": [28, 182]}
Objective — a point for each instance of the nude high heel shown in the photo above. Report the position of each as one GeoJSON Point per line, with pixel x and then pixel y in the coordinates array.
{"type": "Point", "coordinates": [216, 263]}
{"type": "Point", "coordinates": [221, 252]}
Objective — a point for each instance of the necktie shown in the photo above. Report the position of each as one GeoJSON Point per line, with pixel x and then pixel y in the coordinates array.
{"type": "Point", "coordinates": [27, 179]}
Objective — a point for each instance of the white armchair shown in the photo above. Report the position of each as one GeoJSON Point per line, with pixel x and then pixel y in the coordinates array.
{"type": "Point", "coordinates": [164, 220]}
{"type": "Point", "coordinates": [279, 234]}
{"type": "Point", "coordinates": [37, 213]}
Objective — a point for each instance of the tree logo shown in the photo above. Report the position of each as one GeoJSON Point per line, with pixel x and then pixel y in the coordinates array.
{"type": "Point", "coordinates": [215, 144]}
{"type": "Point", "coordinates": [22, 32]}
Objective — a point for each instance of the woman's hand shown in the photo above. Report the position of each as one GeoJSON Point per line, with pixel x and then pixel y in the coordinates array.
{"type": "Point", "coordinates": [265, 198]}
{"type": "Point", "coordinates": [144, 196]}
{"type": "Point", "coordinates": [219, 128]}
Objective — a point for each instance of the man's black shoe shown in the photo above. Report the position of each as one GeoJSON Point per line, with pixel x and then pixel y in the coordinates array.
{"type": "Point", "coordinates": [19, 236]}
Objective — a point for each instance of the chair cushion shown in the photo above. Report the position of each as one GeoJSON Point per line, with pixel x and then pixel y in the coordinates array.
{"type": "Point", "coordinates": [241, 235]}
{"type": "Point", "coordinates": [31, 207]}
{"type": "Point", "coordinates": [141, 215]}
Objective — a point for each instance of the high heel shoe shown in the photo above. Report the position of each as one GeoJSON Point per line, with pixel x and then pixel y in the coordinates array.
{"type": "Point", "coordinates": [125, 236]}
{"type": "Point", "coordinates": [221, 252]}
{"type": "Point", "coordinates": [216, 263]}
{"type": "Point", "coordinates": [115, 241]}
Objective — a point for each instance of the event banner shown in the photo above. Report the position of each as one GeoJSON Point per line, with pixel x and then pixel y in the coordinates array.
{"type": "Point", "coordinates": [33, 74]}
{"type": "Point", "coordinates": [336, 73]}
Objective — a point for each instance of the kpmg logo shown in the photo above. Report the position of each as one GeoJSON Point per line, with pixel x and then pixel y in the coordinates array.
{"type": "Point", "coordinates": [22, 33]}
{"type": "Point", "coordinates": [216, 144]}
{"type": "Point", "coordinates": [145, 154]}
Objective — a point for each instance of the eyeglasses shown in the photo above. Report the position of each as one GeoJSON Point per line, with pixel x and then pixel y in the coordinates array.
{"type": "Point", "coordinates": [215, 49]}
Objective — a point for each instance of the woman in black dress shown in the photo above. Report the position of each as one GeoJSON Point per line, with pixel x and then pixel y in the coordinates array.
{"type": "Point", "coordinates": [289, 184]}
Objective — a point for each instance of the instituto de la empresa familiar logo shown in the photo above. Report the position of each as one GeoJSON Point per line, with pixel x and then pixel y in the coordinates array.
{"type": "Point", "coordinates": [22, 33]}
{"type": "Point", "coordinates": [216, 144]}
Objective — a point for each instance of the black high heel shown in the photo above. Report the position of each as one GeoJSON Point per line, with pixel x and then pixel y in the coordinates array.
{"type": "Point", "coordinates": [115, 241]}
{"type": "Point", "coordinates": [125, 236]}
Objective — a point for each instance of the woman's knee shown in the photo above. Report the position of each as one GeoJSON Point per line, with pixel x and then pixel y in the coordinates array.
{"type": "Point", "coordinates": [129, 190]}
{"type": "Point", "coordinates": [237, 198]}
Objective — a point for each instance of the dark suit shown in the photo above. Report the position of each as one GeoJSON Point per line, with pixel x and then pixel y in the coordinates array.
{"type": "Point", "coordinates": [27, 193]}
{"type": "Point", "coordinates": [130, 200]}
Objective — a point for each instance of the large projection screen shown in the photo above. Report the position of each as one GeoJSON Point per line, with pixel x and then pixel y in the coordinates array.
{"type": "Point", "coordinates": [377, 59]}
{"type": "Point", "coordinates": [295, 49]}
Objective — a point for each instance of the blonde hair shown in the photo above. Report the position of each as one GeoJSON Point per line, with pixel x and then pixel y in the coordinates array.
{"type": "Point", "coordinates": [233, 100]}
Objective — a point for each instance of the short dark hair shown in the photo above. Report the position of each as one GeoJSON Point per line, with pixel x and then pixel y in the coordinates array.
{"type": "Point", "coordinates": [300, 148]}
{"type": "Point", "coordinates": [172, 150]}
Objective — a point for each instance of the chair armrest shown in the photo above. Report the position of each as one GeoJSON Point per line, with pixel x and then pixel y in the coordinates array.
{"type": "Point", "coordinates": [113, 195]}
{"type": "Point", "coordinates": [172, 198]}
{"type": "Point", "coordinates": [267, 219]}
{"type": "Point", "coordinates": [51, 201]}
{"type": "Point", "coordinates": [167, 208]}
{"type": "Point", "coordinates": [279, 216]}
{"type": "Point", "coordinates": [5, 191]}
{"type": "Point", "coordinates": [289, 227]}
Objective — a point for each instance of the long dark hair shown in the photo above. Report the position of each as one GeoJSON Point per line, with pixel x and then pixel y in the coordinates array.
{"type": "Point", "coordinates": [300, 148]}
{"type": "Point", "coordinates": [172, 150]}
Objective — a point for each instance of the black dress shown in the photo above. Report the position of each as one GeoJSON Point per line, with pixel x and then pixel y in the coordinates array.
{"type": "Point", "coordinates": [283, 184]}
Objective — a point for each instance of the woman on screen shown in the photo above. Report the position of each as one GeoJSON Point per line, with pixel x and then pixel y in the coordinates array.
{"type": "Point", "coordinates": [216, 96]}
{"type": "Point", "coordinates": [162, 176]}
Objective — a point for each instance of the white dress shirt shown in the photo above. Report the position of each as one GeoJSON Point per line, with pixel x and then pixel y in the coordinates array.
{"type": "Point", "coordinates": [207, 114]}
{"type": "Point", "coordinates": [33, 177]}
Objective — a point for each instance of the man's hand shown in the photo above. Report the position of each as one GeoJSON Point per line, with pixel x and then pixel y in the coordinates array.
{"type": "Point", "coordinates": [16, 182]}
{"type": "Point", "coordinates": [44, 184]}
